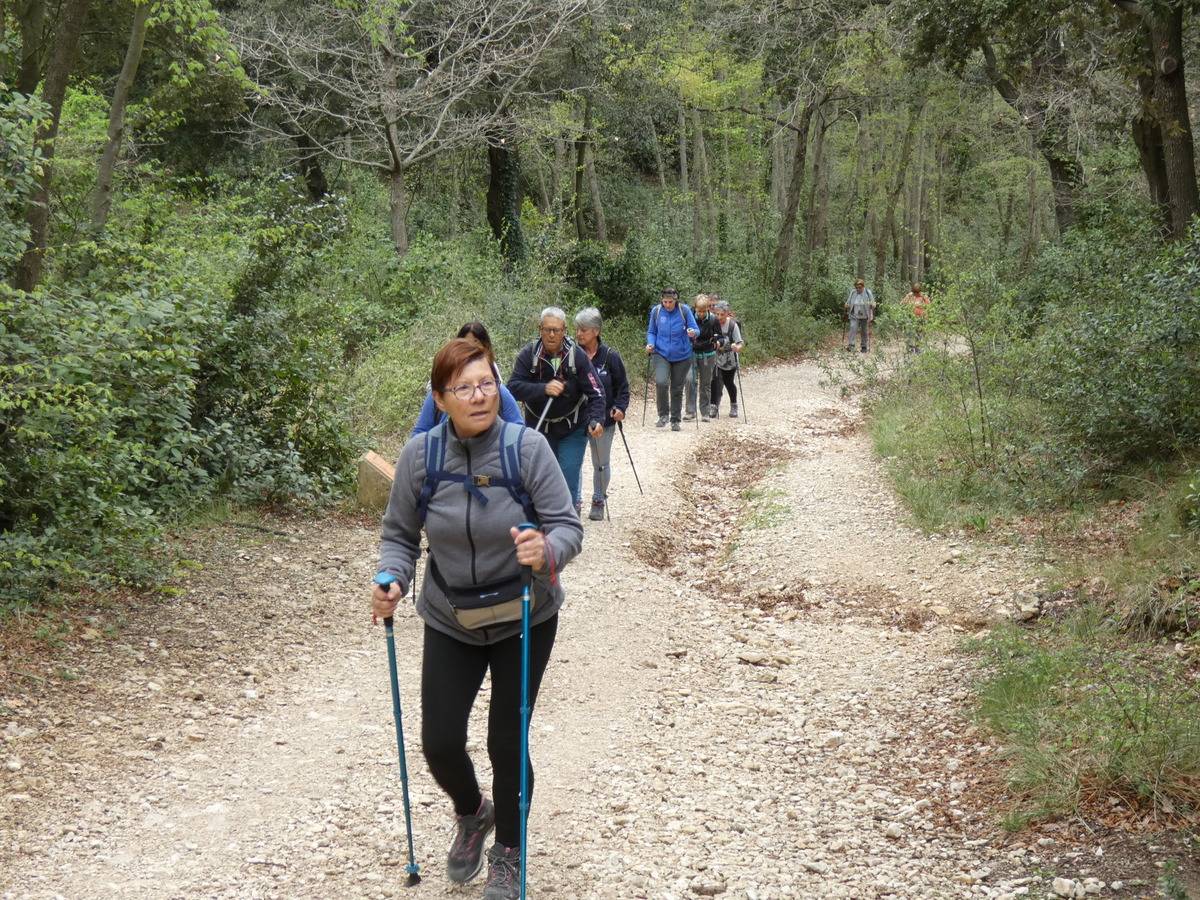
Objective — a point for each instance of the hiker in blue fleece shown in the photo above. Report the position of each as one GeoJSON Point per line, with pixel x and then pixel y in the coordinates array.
{"type": "Point", "coordinates": [669, 336]}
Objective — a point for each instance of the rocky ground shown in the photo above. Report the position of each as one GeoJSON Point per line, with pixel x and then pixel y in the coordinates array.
{"type": "Point", "coordinates": [757, 693]}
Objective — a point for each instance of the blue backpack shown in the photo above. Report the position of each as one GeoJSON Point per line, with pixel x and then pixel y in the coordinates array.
{"type": "Point", "coordinates": [511, 436]}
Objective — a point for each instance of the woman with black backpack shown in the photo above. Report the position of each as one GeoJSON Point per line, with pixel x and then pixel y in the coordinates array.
{"type": "Point", "coordinates": [468, 482]}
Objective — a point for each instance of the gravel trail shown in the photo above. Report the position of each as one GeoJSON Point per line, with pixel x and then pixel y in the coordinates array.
{"type": "Point", "coordinates": [755, 694]}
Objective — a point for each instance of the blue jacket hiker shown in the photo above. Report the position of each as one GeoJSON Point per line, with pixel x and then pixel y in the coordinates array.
{"type": "Point", "coordinates": [556, 371]}
{"type": "Point", "coordinates": [476, 333]}
{"type": "Point", "coordinates": [669, 336]}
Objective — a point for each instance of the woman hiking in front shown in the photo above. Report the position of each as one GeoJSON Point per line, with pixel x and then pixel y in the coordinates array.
{"type": "Point", "coordinates": [453, 482]}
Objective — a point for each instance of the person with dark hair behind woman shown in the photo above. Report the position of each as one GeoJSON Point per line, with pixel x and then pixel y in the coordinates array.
{"type": "Point", "coordinates": [468, 500]}
{"type": "Point", "coordinates": [509, 410]}
{"type": "Point", "coordinates": [610, 370]}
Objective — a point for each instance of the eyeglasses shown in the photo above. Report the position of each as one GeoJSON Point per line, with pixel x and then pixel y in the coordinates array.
{"type": "Point", "coordinates": [546, 330]}
{"type": "Point", "coordinates": [466, 392]}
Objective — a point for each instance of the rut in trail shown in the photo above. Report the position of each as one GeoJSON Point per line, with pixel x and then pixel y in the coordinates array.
{"type": "Point", "coordinates": [731, 708]}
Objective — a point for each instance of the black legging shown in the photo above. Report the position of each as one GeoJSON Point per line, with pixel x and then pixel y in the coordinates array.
{"type": "Point", "coordinates": [729, 376]}
{"type": "Point", "coordinates": [451, 675]}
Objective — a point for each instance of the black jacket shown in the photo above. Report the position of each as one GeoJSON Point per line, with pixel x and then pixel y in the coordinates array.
{"type": "Point", "coordinates": [610, 370]}
{"type": "Point", "coordinates": [706, 340]}
{"type": "Point", "coordinates": [577, 407]}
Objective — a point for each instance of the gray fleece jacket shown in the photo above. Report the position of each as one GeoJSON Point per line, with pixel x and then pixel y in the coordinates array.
{"type": "Point", "coordinates": [469, 540]}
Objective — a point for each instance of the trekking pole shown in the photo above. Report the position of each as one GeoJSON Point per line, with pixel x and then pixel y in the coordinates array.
{"type": "Point", "coordinates": [526, 602]}
{"type": "Point", "coordinates": [621, 428]}
{"type": "Point", "coordinates": [645, 390]}
{"type": "Point", "coordinates": [542, 417]}
{"type": "Point", "coordinates": [741, 390]}
{"type": "Point", "coordinates": [696, 385]}
{"type": "Point", "coordinates": [385, 581]}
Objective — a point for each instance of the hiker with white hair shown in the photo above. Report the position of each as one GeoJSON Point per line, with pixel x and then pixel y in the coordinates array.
{"type": "Point", "coordinates": [610, 371]}
{"type": "Point", "coordinates": [554, 379]}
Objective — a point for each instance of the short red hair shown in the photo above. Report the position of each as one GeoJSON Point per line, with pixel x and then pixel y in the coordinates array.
{"type": "Point", "coordinates": [452, 359]}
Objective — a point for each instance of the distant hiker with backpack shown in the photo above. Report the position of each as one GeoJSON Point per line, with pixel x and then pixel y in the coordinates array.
{"type": "Point", "coordinates": [917, 304]}
{"type": "Point", "coordinates": [669, 336]}
{"type": "Point", "coordinates": [860, 311]}
{"type": "Point", "coordinates": [468, 482]}
{"type": "Point", "coordinates": [704, 358]}
{"type": "Point", "coordinates": [728, 340]}
{"type": "Point", "coordinates": [610, 370]}
{"type": "Point", "coordinates": [430, 415]}
{"type": "Point", "coordinates": [553, 377]}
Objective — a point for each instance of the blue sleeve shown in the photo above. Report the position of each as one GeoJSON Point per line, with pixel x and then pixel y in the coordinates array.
{"type": "Point", "coordinates": [509, 410]}
{"type": "Point", "coordinates": [428, 416]}
{"type": "Point", "coordinates": [652, 329]}
{"type": "Point", "coordinates": [691, 319]}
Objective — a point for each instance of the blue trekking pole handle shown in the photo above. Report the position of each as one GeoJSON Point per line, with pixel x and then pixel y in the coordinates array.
{"type": "Point", "coordinates": [385, 580]}
{"type": "Point", "coordinates": [526, 602]}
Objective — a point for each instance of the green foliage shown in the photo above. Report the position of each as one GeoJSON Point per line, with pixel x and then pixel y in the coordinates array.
{"type": "Point", "coordinates": [1085, 716]}
{"type": "Point", "coordinates": [19, 162]}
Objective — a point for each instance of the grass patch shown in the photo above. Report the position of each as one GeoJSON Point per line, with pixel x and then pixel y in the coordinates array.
{"type": "Point", "coordinates": [1088, 716]}
{"type": "Point", "coordinates": [765, 508]}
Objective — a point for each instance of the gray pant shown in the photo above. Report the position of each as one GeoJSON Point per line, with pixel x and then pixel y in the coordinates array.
{"type": "Point", "coordinates": [860, 327]}
{"type": "Point", "coordinates": [705, 365]}
{"type": "Point", "coordinates": [601, 456]}
{"type": "Point", "coordinates": [674, 375]}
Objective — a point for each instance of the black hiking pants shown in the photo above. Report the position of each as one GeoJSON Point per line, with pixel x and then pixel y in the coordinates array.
{"type": "Point", "coordinates": [728, 378]}
{"type": "Point", "coordinates": [451, 675]}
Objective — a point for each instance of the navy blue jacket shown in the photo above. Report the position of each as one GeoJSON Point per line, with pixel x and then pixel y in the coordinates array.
{"type": "Point", "coordinates": [577, 407]}
{"type": "Point", "coordinates": [610, 369]}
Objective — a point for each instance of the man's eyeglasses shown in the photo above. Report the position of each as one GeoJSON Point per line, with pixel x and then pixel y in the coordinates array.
{"type": "Point", "coordinates": [546, 330]}
{"type": "Point", "coordinates": [466, 392]}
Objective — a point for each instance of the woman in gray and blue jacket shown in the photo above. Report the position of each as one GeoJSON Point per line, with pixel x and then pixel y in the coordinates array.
{"type": "Point", "coordinates": [468, 502]}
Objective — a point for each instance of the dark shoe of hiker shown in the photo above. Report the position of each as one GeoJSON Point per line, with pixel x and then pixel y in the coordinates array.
{"type": "Point", "coordinates": [597, 513]}
{"type": "Point", "coordinates": [712, 411]}
{"type": "Point", "coordinates": [689, 417]}
{"type": "Point", "coordinates": [661, 423]}
{"type": "Point", "coordinates": [864, 349]}
{"type": "Point", "coordinates": [465, 859]}
{"type": "Point", "coordinates": [504, 873]}
{"type": "Point", "coordinates": [675, 426]}
{"type": "Point", "coordinates": [704, 418]}
{"type": "Point", "coordinates": [733, 410]}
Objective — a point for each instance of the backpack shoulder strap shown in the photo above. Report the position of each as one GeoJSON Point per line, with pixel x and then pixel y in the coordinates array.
{"type": "Point", "coordinates": [512, 435]}
{"type": "Point", "coordinates": [435, 463]}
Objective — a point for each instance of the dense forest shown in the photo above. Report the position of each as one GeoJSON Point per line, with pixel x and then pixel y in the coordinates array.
{"type": "Point", "coordinates": [234, 231]}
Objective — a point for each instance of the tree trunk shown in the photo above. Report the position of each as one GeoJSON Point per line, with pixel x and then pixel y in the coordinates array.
{"type": "Point", "coordinates": [1047, 125]}
{"type": "Point", "coordinates": [778, 166]}
{"type": "Point", "coordinates": [683, 160]}
{"type": "Point", "coordinates": [658, 159]}
{"type": "Point", "coordinates": [818, 170]}
{"type": "Point", "coordinates": [102, 202]}
{"type": "Point", "coordinates": [860, 194]}
{"type": "Point", "coordinates": [504, 198]}
{"type": "Point", "coordinates": [580, 169]}
{"type": "Point", "coordinates": [309, 163]}
{"type": "Point", "coordinates": [37, 213]}
{"type": "Point", "coordinates": [704, 198]}
{"type": "Point", "coordinates": [398, 210]}
{"type": "Point", "coordinates": [1171, 106]}
{"type": "Point", "coordinates": [880, 236]}
{"type": "Point", "coordinates": [594, 189]}
{"type": "Point", "coordinates": [561, 189]}
{"type": "Point", "coordinates": [787, 228]}
{"type": "Point", "coordinates": [889, 220]}
{"type": "Point", "coordinates": [1031, 226]}
{"type": "Point", "coordinates": [31, 20]}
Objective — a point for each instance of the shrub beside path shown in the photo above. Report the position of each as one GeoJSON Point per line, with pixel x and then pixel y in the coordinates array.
{"type": "Point", "coordinates": [756, 694]}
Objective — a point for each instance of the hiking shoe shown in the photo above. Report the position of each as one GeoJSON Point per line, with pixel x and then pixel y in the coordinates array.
{"type": "Point", "coordinates": [661, 423]}
{"type": "Point", "coordinates": [465, 859]}
{"type": "Point", "coordinates": [704, 418]}
{"type": "Point", "coordinates": [675, 426]}
{"type": "Point", "coordinates": [733, 410]}
{"type": "Point", "coordinates": [689, 417]}
{"type": "Point", "coordinates": [504, 873]}
{"type": "Point", "coordinates": [712, 411]}
{"type": "Point", "coordinates": [597, 513]}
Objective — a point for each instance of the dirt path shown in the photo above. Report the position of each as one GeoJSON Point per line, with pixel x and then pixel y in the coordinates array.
{"type": "Point", "coordinates": [764, 705]}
